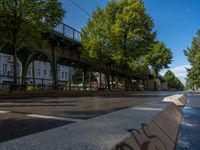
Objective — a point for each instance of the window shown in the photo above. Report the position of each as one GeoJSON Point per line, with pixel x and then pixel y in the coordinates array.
{"type": "Point", "coordinates": [38, 72]}
{"type": "Point", "coordinates": [65, 75]}
{"type": "Point", "coordinates": [45, 72]}
{"type": "Point", "coordinates": [9, 58]}
{"type": "Point", "coordinates": [50, 74]}
{"type": "Point", "coordinates": [5, 57]}
{"type": "Point", "coordinates": [12, 68]}
{"type": "Point", "coordinates": [62, 74]}
{"type": "Point", "coordinates": [4, 69]}
{"type": "Point", "coordinates": [18, 69]}
{"type": "Point", "coordinates": [29, 71]}
{"type": "Point", "coordinates": [58, 73]}
{"type": "Point", "coordinates": [0, 63]}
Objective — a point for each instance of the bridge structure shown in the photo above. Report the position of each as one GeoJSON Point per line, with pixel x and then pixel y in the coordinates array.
{"type": "Point", "coordinates": [63, 47]}
{"type": "Point", "coordinates": [69, 51]}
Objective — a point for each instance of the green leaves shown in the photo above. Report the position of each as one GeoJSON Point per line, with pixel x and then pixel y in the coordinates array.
{"type": "Point", "coordinates": [77, 77]}
{"type": "Point", "coordinates": [122, 33]}
{"type": "Point", "coordinates": [53, 12]}
{"type": "Point", "coordinates": [159, 57]}
{"type": "Point", "coordinates": [173, 82]}
{"type": "Point", "coordinates": [23, 22]}
{"type": "Point", "coordinates": [193, 55]}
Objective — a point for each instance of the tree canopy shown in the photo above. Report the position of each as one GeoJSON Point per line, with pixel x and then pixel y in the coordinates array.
{"type": "Point", "coordinates": [193, 55]}
{"type": "Point", "coordinates": [172, 81]}
{"type": "Point", "coordinates": [120, 34]}
{"type": "Point", "coordinates": [159, 57]}
{"type": "Point", "coordinates": [77, 77]}
{"type": "Point", "coordinates": [23, 22]}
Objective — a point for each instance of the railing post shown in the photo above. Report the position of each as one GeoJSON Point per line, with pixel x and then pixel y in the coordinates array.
{"type": "Point", "coordinates": [73, 34]}
{"type": "Point", "coordinates": [63, 29]}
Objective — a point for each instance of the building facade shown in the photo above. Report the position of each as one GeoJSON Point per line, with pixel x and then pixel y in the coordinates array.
{"type": "Point", "coordinates": [38, 72]}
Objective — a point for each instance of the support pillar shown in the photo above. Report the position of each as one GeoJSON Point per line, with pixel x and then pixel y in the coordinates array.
{"type": "Point", "coordinates": [84, 78]}
{"type": "Point", "coordinates": [54, 65]}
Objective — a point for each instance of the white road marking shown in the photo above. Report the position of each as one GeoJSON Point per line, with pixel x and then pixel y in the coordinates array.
{"type": "Point", "coordinates": [4, 112]}
{"type": "Point", "coordinates": [5, 103]}
{"type": "Point", "coordinates": [54, 117]}
{"type": "Point", "coordinates": [147, 108]}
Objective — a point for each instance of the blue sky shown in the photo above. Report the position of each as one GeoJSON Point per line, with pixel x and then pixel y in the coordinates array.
{"type": "Point", "coordinates": [176, 22]}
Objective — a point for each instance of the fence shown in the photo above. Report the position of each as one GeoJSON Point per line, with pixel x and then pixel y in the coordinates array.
{"type": "Point", "coordinates": [68, 31]}
{"type": "Point", "coordinates": [40, 88]}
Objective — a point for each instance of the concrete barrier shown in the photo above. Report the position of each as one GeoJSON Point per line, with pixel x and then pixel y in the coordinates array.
{"type": "Point", "coordinates": [159, 133]}
{"type": "Point", "coordinates": [147, 126]}
{"type": "Point", "coordinates": [178, 99]}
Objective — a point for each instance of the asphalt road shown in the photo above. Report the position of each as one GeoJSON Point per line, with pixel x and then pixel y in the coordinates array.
{"type": "Point", "coordinates": [21, 117]}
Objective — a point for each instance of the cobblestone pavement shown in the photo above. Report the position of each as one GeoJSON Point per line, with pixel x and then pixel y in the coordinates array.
{"type": "Point", "coordinates": [189, 136]}
{"type": "Point", "coordinates": [22, 117]}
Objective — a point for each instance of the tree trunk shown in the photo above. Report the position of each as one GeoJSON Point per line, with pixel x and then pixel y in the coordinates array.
{"type": "Point", "coordinates": [33, 73]}
{"type": "Point", "coordinates": [54, 66]}
{"type": "Point", "coordinates": [126, 79]}
{"type": "Point", "coordinates": [100, 66]}
{"type": "Point", "coordinates": [15, 67]}
{"type": "Point", "coordinates": [155, 83]}
{"type": "Point", "coordinates": [90, 80]}
{"type": "Point", "coordinates": [70, 82]}
{"type": "Point", "coordinates": [112, 80]}
{"type": "Point", "coordinates": [147, 84]}
{"type": "Point", "coordinates": [108, 81]}
{"type": "Point", "coordinates": [24, 72]}
{"type": "Point", "coordinates": [100, 80]}
{"type": "Point", "coordinates": [130, 83]}
{"type": "Point", "coordinates": [84, 78]}
{"type": "Point", "coordinates": [14, 42]}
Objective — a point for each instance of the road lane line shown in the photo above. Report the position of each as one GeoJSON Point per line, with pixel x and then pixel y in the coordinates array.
{"type": "Point", "coordinates": [4, 112]}
{"type": "Point", "coordinates": [147, 108]}
{"type": "Point", "coordinates": [54, 117]}
{"type": "Point", "coordinates": [6, 103]}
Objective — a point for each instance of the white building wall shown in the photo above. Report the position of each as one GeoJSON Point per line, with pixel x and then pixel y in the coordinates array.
{"type": "Point", "coordinates": [63, 73]}
{"type": "Point", "coordinates": [42, 71]}
{"type": "Point", "coordinates": [6, 68]}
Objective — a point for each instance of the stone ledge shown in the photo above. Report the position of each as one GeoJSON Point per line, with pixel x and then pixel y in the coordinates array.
{"type": "Point", "coordinates": [148, 125]}
{"type": "Point", "coordinates": [177, 99]}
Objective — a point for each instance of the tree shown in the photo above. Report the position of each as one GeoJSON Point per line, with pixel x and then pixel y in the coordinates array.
{"type": "Point", "coordinates": [94, 41]}
{"type": "Point", "coordinates": [120, 34]}
{"type": "Point", "coordinates": [132, 31]}
{"type": "Point", "coordinates": [159, 58]}
{"type": "Point", "coordinates": [193, 56]}
{"type": "Point", "coordinates": [172, 81]}
{"type": "Point", "coordinates": [78, 77]}
{"type": "Point", "coordinates": [23, 23]}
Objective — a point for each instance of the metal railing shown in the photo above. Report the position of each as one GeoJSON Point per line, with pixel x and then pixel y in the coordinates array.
{"type": "Point", "coordinates": [6, 88]}
{"type": "Point", "coordinates": [41, 88]}
{"type": "Point", "coordinates": [68, 32]}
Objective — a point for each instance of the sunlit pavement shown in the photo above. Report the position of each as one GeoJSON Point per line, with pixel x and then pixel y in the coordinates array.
{"type": "Point", "coordinates": [22, 117]}
{"type": "Point", "coordinates": [189, 136]}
